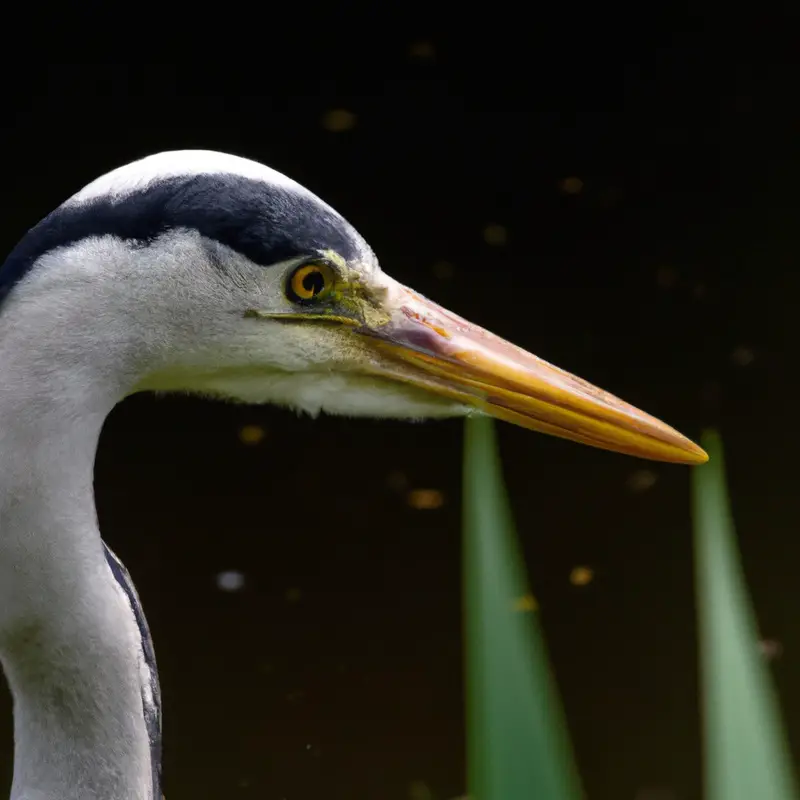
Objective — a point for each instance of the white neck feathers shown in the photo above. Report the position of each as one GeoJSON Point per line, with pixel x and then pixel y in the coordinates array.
{"type": "Point", "coordinates": [69, 643]}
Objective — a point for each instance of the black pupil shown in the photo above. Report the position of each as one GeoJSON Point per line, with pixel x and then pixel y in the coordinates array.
{"type": "Point", "coordinates": [313, 282]}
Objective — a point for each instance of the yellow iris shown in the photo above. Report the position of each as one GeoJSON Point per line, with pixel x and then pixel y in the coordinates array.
{"type": "Point", "coordinates": [311, 282]}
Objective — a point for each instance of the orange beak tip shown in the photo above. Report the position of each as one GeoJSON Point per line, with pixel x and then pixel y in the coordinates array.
{"type": "Point", "coordinates": [452, 357]}
{"type": "Point", "coordinates": [702, 457]}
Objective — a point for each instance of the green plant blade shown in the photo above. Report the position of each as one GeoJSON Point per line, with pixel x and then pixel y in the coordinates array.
{"type": "Point", "coordinates": [746, 754]}
{"type": "Point", "coordinates": [517, 742]}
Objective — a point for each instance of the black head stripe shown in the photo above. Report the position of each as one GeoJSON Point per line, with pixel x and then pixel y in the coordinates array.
{"type": "Point", "coordinates": [265, 222]}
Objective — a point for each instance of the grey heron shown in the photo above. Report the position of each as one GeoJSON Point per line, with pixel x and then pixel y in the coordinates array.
{"type": "Point", "coordinates": [202, 272]}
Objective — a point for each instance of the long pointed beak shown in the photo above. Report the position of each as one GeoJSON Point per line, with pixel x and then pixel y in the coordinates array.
{"type": "Point", "coordinates": [454, 358]}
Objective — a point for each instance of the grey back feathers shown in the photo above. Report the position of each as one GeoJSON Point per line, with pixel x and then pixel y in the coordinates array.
{"type": "Point", "coordinates": [151, 689]}
{"type": "Point", "coordinates": [252, 209]}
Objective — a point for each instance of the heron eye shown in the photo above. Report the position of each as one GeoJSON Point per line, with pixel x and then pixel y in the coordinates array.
{"type": "Point", "coordinates": [310, 282]}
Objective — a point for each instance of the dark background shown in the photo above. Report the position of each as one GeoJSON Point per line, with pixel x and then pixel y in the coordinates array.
{"type": "Point", "coordinates": [670, 279]}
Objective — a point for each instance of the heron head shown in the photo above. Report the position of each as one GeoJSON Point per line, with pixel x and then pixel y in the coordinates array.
{"type": "Point", "coordinates": [247, 286]}
{"type": "Point", "coordinates": [343, 337]}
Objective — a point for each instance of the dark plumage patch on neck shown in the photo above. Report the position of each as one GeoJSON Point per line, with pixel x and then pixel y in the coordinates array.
{"type": "Point", "coordinates": [151, 695]}
{"type": "Point", "coordinates": [265, 222]}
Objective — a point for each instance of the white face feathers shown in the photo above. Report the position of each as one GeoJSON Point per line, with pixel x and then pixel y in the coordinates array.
{"type": "Point", "coordinates": [144, 280]}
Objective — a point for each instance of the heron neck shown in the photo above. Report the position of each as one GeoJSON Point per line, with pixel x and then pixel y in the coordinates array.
{"type": "Point", "coordinates": [69, 643]}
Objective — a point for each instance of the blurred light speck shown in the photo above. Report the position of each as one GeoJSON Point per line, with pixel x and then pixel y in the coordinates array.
{"type": "Point", "coordinates": [251, 434]}
{"type": "Point", "coordinates": [770, 649]}
{"type": "Point", "coordinates": [743, 356]}
{"type": "Point", "coordinates": [425, 499]}
{"type": "Point", "coordinates": [572, 185]}
{"type": "Point", "coordinates": [338, 120]}
{"type": "Point", "coordinates": [581, 576]}
{"type": "Point", "coordinates": [230, 581]}
{"type": "Point", "coordinates": [526, 603]}
{"type": "Point", "coordinates": [422, 51]}
{"type": "Point", "coordinates": [666, 277]}
{"type": "Point", "coordinates": [495, 234]}
{"type": "Point", "coordinates": [642, 480]}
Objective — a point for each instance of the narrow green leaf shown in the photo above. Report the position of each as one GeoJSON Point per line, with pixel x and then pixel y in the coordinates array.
{"type": "Point", "coordinates": [746, 754]}
{"type": "Point", "coordinates": [517, 742]}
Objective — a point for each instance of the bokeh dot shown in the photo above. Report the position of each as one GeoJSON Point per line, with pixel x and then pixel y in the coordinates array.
{"type": "Point", "coordinates": [338, 120]}
{"type": "Point", "coordinates": [251, 434]}
{"type": "Point", "coordinates": [422, 50]}
{"type": "Point", "coordinates": [496, 235]}
{"type": "Point", "coordinates": [572, 185]}
{"type": "Point", "coordinates": [581, 576]}
{"type": "Point", "coordinates": [425, 499]}
{"type": "Point", "coordinates": [230, 580]}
